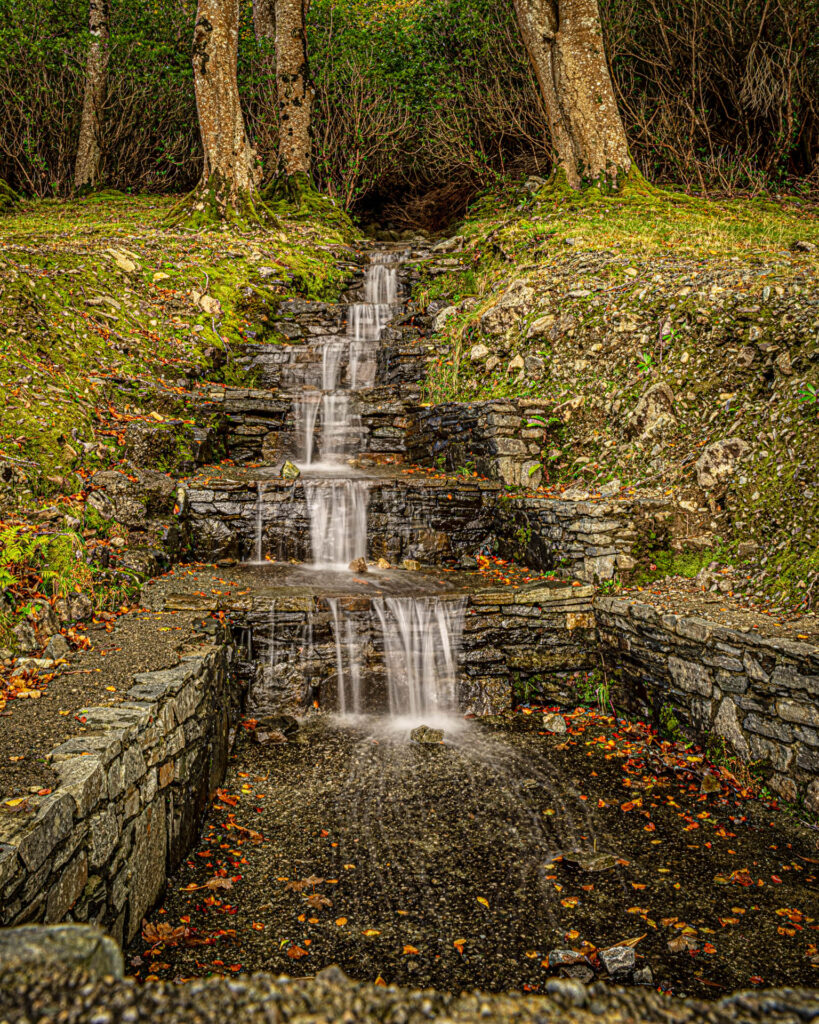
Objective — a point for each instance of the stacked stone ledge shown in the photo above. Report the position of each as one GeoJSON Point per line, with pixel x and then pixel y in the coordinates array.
{"type": "Point", "coordinates": [759, 694]}
{"type": "Point", "coordinates": [132, 792]}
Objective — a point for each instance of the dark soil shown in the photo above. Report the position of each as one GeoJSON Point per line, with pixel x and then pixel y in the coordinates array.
{"type": "Point", "coordinates": [457, 865]}
{"type": "Point", "coordinates": [30, 729]}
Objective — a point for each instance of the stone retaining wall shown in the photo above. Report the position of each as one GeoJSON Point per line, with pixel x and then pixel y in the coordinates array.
{"type": "Point", "coordinates": [589, 539]}
{"type": "Point", "coordinates": [515, 643]}
{"type": "Point", "coordinates": [133, 788]}
{"type": "Point", "coordinates": [498, 438]}
{"type": "Point", "coordinates": [759, 694]}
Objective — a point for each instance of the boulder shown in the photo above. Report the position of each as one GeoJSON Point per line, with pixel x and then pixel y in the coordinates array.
{"type": "Point", "coordinates": [40, 949]}
{"type": "Point", "coordinates": [167, 446]}
{"type": "Point", "coordinates": [454, 244]}
{"type": "Point", "coordinates": [507, 312]}
{"type": "Point", "coordinates": [440, 319]}
{"type": "Point", "coordinates": [719, 461]}
{"type": "Point", "coordinates": [656, 402]}
{"type": "Point", "coordinates": [290, 471]}
{"type": "Point", "coordinates": [424, 734]}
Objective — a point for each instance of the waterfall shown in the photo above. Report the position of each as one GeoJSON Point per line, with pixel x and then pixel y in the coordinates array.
{"type": "Point", "coordinates": [338, 521]}
{"type": "Point", "coordinates": [348, 685]}
{"type": "Point", "coordinates": [340, 425]}
{"type": "Point", "coordinates": [259, 559]}
{"type": "Point", "coordinates": [421, 641]}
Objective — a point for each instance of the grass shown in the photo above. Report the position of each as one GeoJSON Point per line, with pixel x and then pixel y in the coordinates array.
{"type": "Point", "coordinates": [102, 313]}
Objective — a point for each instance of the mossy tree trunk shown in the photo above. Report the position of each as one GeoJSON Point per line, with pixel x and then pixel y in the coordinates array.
{"type": "Point", "coordinates": [295, 92]}
{"type": "Point", "coordinates": [227, 189]}
{"type": "Point", "coordinates": [89, 150]}
{"type": "Point", "coordinates": [564, 40]}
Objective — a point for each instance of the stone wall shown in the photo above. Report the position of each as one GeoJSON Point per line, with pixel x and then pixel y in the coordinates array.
{"type": "Point", "coordinates": [259, 426]}
{"type": "Point", "coordinates": [434, 521]}
{"type": "Point", "coordinates": [501, 439]}
{"type": "Point", "coordinates": [133, 788]}
{"type": "Point", "coordinates": [516, 643]}
{"type": "Point", "coordinates": [591, 539]}
{"type": "Point", "coordinates": [757, 693]}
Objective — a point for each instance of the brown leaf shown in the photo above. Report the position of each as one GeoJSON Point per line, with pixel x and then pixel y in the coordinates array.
{"type": "Point", "coordinates": [296, 952]}
{"type": "Point", "coordinates": [317, 901]}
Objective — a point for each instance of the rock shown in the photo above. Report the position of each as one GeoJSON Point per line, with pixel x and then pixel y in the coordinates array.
{"type": "Point", "coordinates": [783, 364]}
{"type": "Point", "coordinates": [718, 461]}
{"type": "Point", "coordinates": [80, 608]}
{"type": "Point", "coordinates": [643, 976]}
{"type": "Point", "coordinates": [289, 471]}
{"type": "Point", "coordinates": [454, 244]}
{"type": "Point", "coordinates": [468, 562]}
{"type": "Point", "coordinates": [507, 312]}
{"type": "Point", "coordinates": [163, 446]}
{"type": "Point", "coordinates": [726, 724]}
{"type": "Point", "coordinates": [57, 647]}
{"type": "Point", "coordinates": [617, 960]}
{"type": "Point", "coordinates": [801, 245]}
{"type": "Point", "coordinates": [747, 549]}
{"type": "Point", "coordinates": [657, 402]}
{"type": "Point", "coordinates": [410, 565]}
{"type": "Point", "coordinates": [533, 183]}
{"type": "Point", "coordinates": [534, 365]}
{"type": "Point", "coordinates": [478, 352]}
{"type": "Point", "coordinates": [553, 723]}
{"type": "Point", "coordinates": [122, 261]}
{"type": "Point", "coordinates": [492, 362]}
{"type": "Point", "coordinates": [216, 540]}
{"type": "Point", "coordinates": [45, 948]}
{"type": "Point", "coordinates": [424, 734]}
{"type": "Point", "coordinates": [440, 319]}
{"type": "Point", "coordinates": [160, 275]}
{"type": "Point", "coordinates": [26, 638]}
{"type": "Point", "coordinates": [746, 356]}
{"type": "Point", "coordinates": [358, 565]}
{"type": "Point", "coordinates": [6, 654]}
{"type": "Point", "coordinates": [515, 364]}
{"type": "Point", "coordinates": [537, 328]}
{"type": "Point", "coordinates": [710, 784]}
{"type": "Point", "coordinates": [611, 487]}
{"type": "Point", "coordinates": [207, 303]}
{"type": "Point", "coordinates": [382, 563]}
{"type": "Point", "coordinates": [590, 861]}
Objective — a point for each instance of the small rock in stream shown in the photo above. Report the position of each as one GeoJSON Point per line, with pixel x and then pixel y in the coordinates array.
{"type": "Point", "coordinates": [424, 734]}
{"type": "Point", "coordinates": [617, 960]}
{"type": "Point", "coordinates": [553, 723]}
{"type": "Point", "coordinates": [410, 565]}
{"type": "Point", "coordinates": [383, 563]}
{"type": "Point", "coordinates": [290, 471]}
{"type": "Point", "coordinates": [358, 565]}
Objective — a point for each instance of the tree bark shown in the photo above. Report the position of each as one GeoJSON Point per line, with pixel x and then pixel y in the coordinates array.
{"type": "Point", "coordinates": [89, 150]}
{"type": "Point", "coordinates": [230, 173]}
{"type": "Point", "coordinates": [295, 91]}
{"type": "Point", "coordinates": [564, 40]}
{"type": "Point", "coordinates": [264, 20]}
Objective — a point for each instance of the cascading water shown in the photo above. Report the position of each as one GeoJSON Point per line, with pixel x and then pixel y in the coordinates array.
{"type": "Point", "coordinates": [338, 521]}
{"type": "Point", "coordinates": [330, 403]}
{"type": "Point", "coordinates": [421, 640]}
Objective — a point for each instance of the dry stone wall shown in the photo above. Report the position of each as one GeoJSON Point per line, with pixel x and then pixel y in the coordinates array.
{"type": "Point", "coordinates": [500, 439]}
{"type": "Point", "coordinates": [133, 788]}
{"type": "Point", "coordinates": [759, 694]}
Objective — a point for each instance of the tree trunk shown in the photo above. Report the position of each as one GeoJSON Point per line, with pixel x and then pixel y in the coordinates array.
{"type": "Point", "coordinates": [564, 40]}
{"type": "Point", "coordinates": [294, 89]}
{"type": "Point", "coordinates": [230, 173]}
{"type": "Point", "coordinates": [264, 21]}
{"type": "Point", "coordinates": [89, 152]}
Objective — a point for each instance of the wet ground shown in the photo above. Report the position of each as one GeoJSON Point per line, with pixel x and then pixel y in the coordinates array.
{"type": "Point", "coordinates": [463, 864]}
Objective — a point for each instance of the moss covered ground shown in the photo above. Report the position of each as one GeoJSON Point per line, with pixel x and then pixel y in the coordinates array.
{"type": "Point", "coordinates": [590, 301]}
{"type": "Point", "coordinates": [108, 317]}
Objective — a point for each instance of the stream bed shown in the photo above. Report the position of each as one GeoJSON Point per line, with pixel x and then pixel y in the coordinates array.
{"type": "Point", "coordinates": [465, 863]}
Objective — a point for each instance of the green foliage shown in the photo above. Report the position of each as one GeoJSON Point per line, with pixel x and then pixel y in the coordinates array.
{"type": "Point", "coordinates": [669, 724]}
{"type": "Point", "coordinates": [58, 558]}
